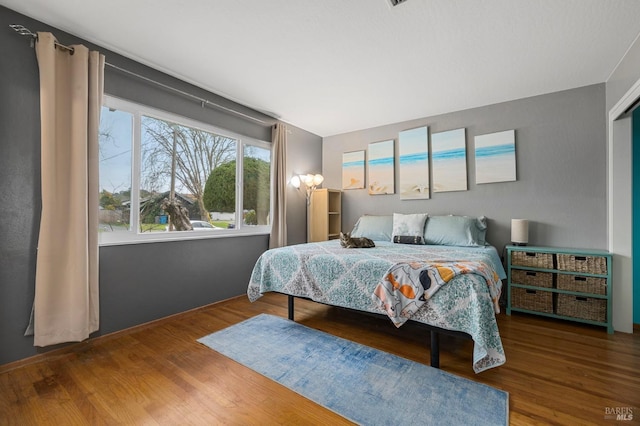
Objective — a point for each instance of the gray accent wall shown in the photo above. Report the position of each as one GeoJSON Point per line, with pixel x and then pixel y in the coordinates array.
{"type": "Point", "coordinates": [138, 283]}
{"type": "Point", "coordinates": [561, 153]}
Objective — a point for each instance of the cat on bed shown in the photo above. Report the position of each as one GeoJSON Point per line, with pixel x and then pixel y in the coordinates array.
{"type": "Point", "coordinates": [347, 241]}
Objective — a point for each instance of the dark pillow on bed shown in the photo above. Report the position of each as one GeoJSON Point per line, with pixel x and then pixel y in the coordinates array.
{"type": "Point", "coordinates": [406, 239]}
{"type": "Point", "coordinates": [376, 228]}
{"type": "Point", "coordinates": [456, 230]}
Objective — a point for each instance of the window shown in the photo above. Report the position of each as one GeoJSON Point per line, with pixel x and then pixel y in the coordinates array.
{"type": "Point", "coordinates": [161, 174]}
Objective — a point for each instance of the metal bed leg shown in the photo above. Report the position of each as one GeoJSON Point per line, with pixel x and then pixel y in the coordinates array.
{"type": "Point", "coordinates": [435, 349]}
{"type": "Point", "coordinates": [290, 307]}
{"type": "Point", "coordinates": [434, 335]}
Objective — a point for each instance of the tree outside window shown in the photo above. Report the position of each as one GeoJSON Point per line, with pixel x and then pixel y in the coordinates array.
{"type": "Point", "coordinates": [177, 159]}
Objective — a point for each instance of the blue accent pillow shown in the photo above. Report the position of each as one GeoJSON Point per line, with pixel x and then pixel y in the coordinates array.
{"type": "Point", "coordinates": [376, 228]}
{"type": "Point", "coordinates": [456, 230]}
{"type": "Point", "coordinates": [409, 225]}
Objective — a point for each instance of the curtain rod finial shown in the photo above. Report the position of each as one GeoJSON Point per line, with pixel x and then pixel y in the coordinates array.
{"type": "Point", "coordinates": [23, 31]}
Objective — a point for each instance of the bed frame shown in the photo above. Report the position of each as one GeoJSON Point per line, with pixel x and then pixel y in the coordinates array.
{"type": "Point", "coordinates": [434, 332]}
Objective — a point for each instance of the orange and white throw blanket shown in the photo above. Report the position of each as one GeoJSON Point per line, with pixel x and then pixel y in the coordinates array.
{"type": "Point", "coordinates": [407, 286]}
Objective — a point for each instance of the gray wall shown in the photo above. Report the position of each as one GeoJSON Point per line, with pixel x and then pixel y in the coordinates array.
{"type": "Point", "coordinates": [304, 156]}
{"type": "Point", "coordinates": [561, 169]}
{"type": "Point", "coordinates": [138, 283]}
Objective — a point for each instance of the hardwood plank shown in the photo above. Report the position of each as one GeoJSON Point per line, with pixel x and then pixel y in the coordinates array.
{"type": "Point", "coordinates": [556, 372]}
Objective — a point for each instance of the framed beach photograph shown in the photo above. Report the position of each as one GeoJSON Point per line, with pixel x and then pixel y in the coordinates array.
{"type": "Point", "coordinates": [381, 168]}
{"type": "Point", "coordinates": [449, 160]}
{"type": "Point", "coordinates": [496, 157]}
{"type": "Point", "coordinates": [353, 170]}
{"type": "Point", "coordinates": [413, 160]}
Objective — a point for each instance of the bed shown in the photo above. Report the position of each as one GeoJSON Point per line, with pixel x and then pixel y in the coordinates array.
{"type": "Point", "coordinates": [327, 273]}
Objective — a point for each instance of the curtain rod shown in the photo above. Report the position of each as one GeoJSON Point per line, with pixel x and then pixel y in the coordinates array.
{"type": "Point", "coordinates": [23, 31]}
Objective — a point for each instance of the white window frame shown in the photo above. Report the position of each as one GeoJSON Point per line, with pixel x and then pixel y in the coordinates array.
{"type": "Point", "coordinates": [133, 236]}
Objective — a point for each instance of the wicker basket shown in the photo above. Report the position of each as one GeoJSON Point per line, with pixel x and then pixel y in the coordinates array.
{"type": "Point", "coordinates": [536, 279]}
{"type": "Point", "coordinates": [585, 264]}
{"type": "Point", "coordinates": [593, 285]}
{"type": "Point", "coordinates": [533, 300]}
{"type": "Point", "coordinates": [582, 307]}
{"type": "Point", "coordinates": [532, 259]}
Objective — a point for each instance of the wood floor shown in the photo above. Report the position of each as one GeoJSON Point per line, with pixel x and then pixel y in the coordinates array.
{"type": "Point", "coordinates": [556, 372]}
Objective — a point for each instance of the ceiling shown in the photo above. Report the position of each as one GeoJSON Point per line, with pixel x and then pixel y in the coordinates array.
{"type": "Point", "coordinates": [335, 66]}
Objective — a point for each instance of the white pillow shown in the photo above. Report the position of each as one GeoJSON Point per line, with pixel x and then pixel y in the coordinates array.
{"type": "Point", "coordinates": [409, 225]}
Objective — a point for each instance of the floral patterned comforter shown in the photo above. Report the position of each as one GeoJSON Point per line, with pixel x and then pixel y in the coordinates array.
{"type": "Point", "coordinates": [328, 273]}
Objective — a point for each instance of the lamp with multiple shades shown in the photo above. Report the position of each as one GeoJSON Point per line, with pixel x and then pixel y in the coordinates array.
{"type": "Point", "coordinates": [310, 181]}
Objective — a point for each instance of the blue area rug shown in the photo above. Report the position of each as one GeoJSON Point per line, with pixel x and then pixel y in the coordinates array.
{"type": "Point", "coordinates": [362, 384]}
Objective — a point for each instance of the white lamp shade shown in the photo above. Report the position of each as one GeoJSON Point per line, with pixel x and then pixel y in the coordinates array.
{"type": "Point", "coordinates": [318, 179]}
{"type": "Point", "coordinates": [307, 179]}
{"type": "Point", "coordinates": [310, 180]}
{"type": "Point", "coordinates": [295, 181]}
{"type": "Point", "coordinates": [519, 231]}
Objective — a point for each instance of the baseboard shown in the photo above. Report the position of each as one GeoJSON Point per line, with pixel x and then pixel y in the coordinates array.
{"type": "Point", "coordinates": [79, 346]}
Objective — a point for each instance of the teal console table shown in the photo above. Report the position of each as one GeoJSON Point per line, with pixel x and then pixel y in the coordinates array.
{"type": "Point", "coordinates": [569, 284]}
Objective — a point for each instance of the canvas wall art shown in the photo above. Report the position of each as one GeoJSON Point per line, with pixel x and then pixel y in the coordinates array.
{"type": "Point", "coordinates": [496, 157]}
{"type": "Point", "coordinates": [449, 161]}
{"type": "Point", "coordinates": [413, 160]}
{"type": "Point", "coordinates": [353, 170]}
{"type": "Point", "coordinates": [381, 163]}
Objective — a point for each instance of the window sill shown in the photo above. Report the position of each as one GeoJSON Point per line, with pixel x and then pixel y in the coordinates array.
{"type": "Point", "coordinates": [126, 238]}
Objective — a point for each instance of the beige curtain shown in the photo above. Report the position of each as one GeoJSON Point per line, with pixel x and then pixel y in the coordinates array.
{"type": "Point", "coordinates": [66, 295]}
{"type": "Point", "coordinates": [278, 236]}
